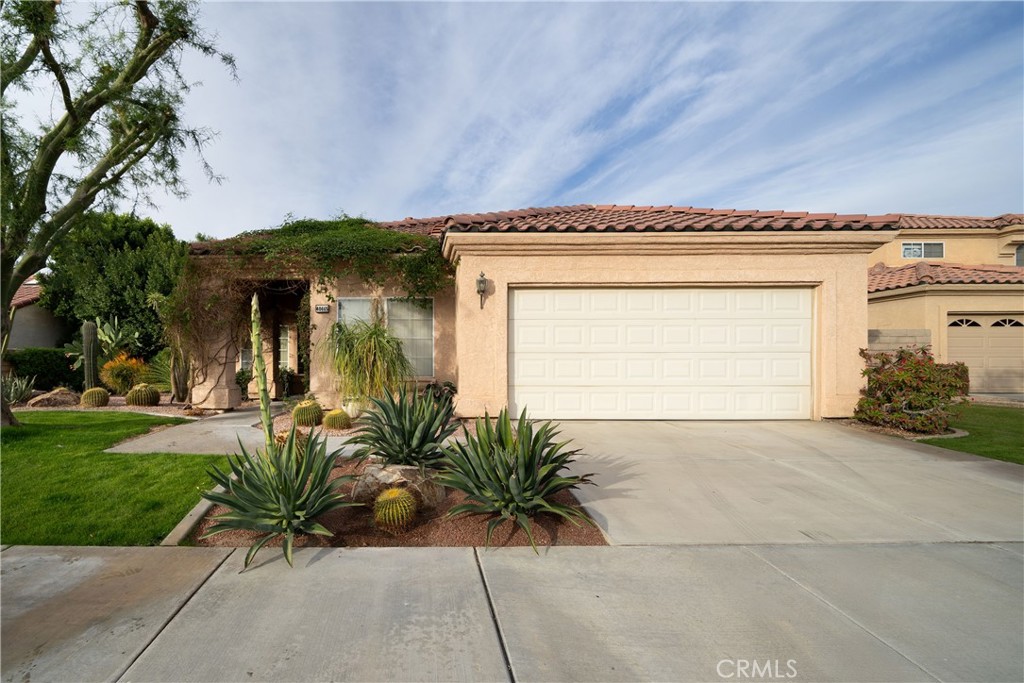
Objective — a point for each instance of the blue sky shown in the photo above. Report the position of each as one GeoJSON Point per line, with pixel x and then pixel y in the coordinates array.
{"type": "Point", "coordinates": [390, 110]}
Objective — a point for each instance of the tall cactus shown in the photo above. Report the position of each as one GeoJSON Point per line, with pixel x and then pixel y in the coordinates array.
{"type": "Point", "coordinates": [90, 353]}
{"type": "Point", "coordinates": [259, 371]}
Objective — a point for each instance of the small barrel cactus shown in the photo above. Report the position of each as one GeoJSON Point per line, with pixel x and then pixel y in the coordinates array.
{"type": "Point", "coordinates": [142, 395]}
{"type": "Point", "coordinates": [394, 510]}
{"type": "Point", "coordinates": [308, 414]}
{"type": "Point", "coordinates": [97, 397]}
{"type": "Point", "coordinates": [301, 439]}
{"type": "Point", "coordinates": [337, 419]}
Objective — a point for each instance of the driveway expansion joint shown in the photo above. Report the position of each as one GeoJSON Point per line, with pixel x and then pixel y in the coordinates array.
{"type": "Point", "coordinates": [120, 674]}
{"type": "Point", "coordinates": [494, 616]}
{"type": "Point", "coordinates": [838, 610]}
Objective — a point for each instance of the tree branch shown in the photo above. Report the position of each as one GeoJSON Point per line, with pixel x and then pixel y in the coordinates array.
{"type": "Point", "coordinates": [11, 72]}
{"type": "Point", "coordinates": [58, 73]}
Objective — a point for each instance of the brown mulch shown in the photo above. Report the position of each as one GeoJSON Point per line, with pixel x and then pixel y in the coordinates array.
{"type": "Point", "coordinates": [283, 423]}
{"type": "Point", "coordinates": [353, 527]}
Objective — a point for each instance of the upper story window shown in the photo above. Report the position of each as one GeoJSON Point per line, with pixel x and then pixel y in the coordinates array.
{"type": "Point", "coordinates": [1019, 259]}
{"type": "Point", "coordinates": [412, 322]}
{"type": "Point", "coordinates": [924, 250]}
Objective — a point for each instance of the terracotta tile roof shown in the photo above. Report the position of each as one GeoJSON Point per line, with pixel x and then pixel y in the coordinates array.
{"type": "Point", "coordinates": [417, 226]}
{"type": "Point", "coordinates": [615, 218]}
{"type": "Point", "coordinates": [27, 294]}
{"type": "Point", "coordinates": [910, 221]}
{"type": "Point", "coordinates": [882, 277]}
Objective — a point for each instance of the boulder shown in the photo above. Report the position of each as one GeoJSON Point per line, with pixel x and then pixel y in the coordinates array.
{"type": "Point", "coordinates": [376, 477]}
{"type": "Point", "coordinates": [58, 398]}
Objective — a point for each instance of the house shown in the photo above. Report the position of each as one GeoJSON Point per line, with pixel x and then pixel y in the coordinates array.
{"type": "Point", "coordinates": [626, 312]}
{"type": "Point", "coordinates": [33, 326]}
{"type": "Point", "coordinates": [957, 284]}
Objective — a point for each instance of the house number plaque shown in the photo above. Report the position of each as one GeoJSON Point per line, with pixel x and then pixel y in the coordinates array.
{"type": "Point", "coordinates": [323, 308]}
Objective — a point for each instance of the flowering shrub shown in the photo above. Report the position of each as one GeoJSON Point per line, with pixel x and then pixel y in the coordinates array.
{"type": "Point", "coordinates": [122, 373]}
{"type": "Point", "coordinates": [908, 390]}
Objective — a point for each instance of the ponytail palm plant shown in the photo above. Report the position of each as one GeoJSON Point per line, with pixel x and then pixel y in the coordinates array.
{"type": "Point", "coordinates": [368, 359]}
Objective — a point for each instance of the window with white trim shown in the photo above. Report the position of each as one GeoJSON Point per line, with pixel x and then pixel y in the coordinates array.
{"type": "Point", "coordinates": [412, 322]}
{"type": "Point", "coordinates": [924, 250]}
{"type": "Point", "coordinates": [283, 339]}
{"type": "Point", "coordinates": [245, 355]}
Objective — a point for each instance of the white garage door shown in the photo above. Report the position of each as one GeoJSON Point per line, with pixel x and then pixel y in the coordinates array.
{"type": "Point", "coordinates": [640, 354]}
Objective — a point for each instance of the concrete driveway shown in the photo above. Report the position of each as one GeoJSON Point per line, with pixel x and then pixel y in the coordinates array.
{"type": "Point", "coordinates": [788, 482]}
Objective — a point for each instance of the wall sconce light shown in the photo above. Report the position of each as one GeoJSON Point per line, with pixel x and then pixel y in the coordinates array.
{"type": "Point", "coordinates": [481, 288]}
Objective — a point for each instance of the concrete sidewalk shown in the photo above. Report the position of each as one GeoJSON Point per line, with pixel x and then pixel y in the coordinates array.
{"type": "Point", "coordinates": [896, 612]}
{"type": "Point", "coordinates": [217, 435]}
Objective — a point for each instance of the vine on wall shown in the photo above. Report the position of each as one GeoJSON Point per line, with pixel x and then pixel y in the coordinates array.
{"type": "Point", "coordinates": [211, 299]}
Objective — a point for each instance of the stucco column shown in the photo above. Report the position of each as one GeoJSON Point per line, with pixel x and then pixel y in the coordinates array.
{"type": "Point", "coordinates": [215, 387]}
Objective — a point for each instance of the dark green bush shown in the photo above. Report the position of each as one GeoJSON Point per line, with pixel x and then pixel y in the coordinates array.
{"type": "Point", "coordinates": [908, 390]}
{"type": "Point", "coordinates": [50, 367]}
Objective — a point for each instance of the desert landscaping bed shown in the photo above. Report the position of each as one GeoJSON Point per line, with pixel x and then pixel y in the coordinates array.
{"type": "Point", "coordinates": [354, 527]}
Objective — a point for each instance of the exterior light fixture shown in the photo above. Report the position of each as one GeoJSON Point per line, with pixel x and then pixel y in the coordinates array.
{"type": "Point", "coordinates": [481, 287]}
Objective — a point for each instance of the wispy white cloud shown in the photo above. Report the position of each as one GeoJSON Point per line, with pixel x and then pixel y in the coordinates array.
{"type": "Point", "coordinates": [390, 110]}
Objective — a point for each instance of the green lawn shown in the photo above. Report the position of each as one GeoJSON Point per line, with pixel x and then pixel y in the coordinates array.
{"type": "Point", "coordinates": [995, 432]}
{"type": "Point", "coordinates": [57, 487]}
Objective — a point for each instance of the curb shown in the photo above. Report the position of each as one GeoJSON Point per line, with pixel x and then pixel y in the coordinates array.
{"type": "Point", "coordinates": [190, 521]}
{"type": "Point", "coordinates": [957, 433]}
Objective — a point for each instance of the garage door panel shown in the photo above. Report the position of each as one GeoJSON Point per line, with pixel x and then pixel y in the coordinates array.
{"type": "Point", "coordinates": [534, 371]}
{"type": "Point", "coordinates": [698, 353]}
{"type": "Point", "coordinates": [994, 354]}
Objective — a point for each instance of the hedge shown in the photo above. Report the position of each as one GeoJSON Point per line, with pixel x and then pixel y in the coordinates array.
{"type": "Point", "coordinates": [50, 367]}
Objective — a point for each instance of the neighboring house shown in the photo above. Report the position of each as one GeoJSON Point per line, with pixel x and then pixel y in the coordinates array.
{"type": "Point", "coordinates": [955, 283]}
{"type": "Point", "coordinates": [33, 325]}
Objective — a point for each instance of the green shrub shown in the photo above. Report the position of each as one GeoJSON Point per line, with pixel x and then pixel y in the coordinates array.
{"type": "Point", "coordinates": [394, 510]}
{"type": "Point", "coordinates": [511, 474]}
{"type": "Point", "coordinates": [242, 378]}
{"type": "Point", "coordinates": [122, 373]}
{"type": "Point", "coordinates": [908, 390]}
{"type": "Point", "coordinates": [17, 389]}
{"type": "Point", "coordinates": [337, 419]}
{"type": "Point", "coordinates": [277, 493]}
{"type": "Point", "coordinates": [50, 367]}
{"type": "Point", "coordinates": [97, 397]}
{"type": "Point", "coordinates": [407, 430]}
{"type": "Point", "coordinates": [957, 376]}
{"type": "Point", "coordinates": [157, 372]}
{"type": "Point", "coordinates": [142, 395]}
{"type": "Point", "coordinates": [307, 413]}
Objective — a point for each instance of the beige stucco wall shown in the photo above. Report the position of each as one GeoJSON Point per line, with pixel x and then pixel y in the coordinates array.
{"type": "Point", "coordinates": [930, 306]}
{"type": "Point", "coordinates": [833, 265]}
{"type": "Point", "coordinates": [969, 246]}
{"type": "Point", "coordinates": [323, 381]}
{"type": "Point", "coordinates": [33, 327]}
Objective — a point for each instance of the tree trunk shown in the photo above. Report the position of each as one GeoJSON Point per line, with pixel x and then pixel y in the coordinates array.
{"type": "Point", "coordinates": [7, 418]}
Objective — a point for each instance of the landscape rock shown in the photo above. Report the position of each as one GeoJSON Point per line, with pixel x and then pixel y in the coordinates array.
{"type": "Point", "coordinates": [375, 478]}
{"type": "Point", "coordinates": [58, 398]}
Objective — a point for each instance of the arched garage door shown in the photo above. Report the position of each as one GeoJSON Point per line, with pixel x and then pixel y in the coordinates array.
{"type": "Point", "coordinates": [640, 353]}
{"type": "Point", "coordinates": [992, 346]}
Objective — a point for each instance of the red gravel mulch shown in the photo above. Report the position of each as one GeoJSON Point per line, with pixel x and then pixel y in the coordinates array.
{"type": "Point", "coordinates": [353, 527]}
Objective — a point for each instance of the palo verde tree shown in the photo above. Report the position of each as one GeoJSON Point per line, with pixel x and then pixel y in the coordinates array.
{"type": "Point", "coordinates": [115, 131]}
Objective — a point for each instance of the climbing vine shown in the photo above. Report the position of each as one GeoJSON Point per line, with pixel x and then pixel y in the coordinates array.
{"type": "Point", "coordinates": [211, 298]}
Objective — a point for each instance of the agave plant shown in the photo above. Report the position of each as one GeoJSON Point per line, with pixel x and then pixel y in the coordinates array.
{"type": "Point", "coordinates": [511, 473]}
{"type": "Point", "coordinates": [279, 493]}
{"type": "Point", "coordinates": [17, 389]}
{"type": "Point", "coordinates": [405, 430]}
